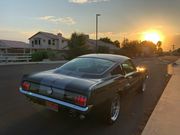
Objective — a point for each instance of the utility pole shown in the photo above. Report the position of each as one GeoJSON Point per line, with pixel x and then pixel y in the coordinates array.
{"type": "Point", "coordinates": [173, 46]}
{"type": "Point", "coordinates": [97, 15]}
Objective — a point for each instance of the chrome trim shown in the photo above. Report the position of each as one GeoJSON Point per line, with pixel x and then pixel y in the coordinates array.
{"type": "Point", "coordinates": [131, 73]}
{"type": "Point", "coordinates": [83, 109]}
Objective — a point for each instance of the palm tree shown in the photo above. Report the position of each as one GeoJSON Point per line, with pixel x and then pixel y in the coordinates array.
{"type": "Point", "coordinates": [159, 44]}
{"type": "Point", "coordinates": [159, 48]}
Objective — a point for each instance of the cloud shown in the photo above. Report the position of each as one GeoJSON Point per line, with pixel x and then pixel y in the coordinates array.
{"type": "Point", "coordinates": [65, 20]}
{"type": "Point", "coordinates": [86, 1]}
{"type": "Point", "coordinates": [17, 35]}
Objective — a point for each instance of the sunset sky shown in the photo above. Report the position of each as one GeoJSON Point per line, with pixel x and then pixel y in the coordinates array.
{"type": "Point", "coordinates": [133, 19]}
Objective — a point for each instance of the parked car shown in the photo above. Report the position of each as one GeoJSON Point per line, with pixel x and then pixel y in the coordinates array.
{"type": "Point", "coordinates": [85, 83]}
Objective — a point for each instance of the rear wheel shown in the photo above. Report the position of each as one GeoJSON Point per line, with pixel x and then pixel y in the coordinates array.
{"type": "Point", "coordinates": [113, 109]}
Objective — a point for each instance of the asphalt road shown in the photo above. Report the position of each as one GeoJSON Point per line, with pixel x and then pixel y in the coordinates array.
{"type": "Point", "coordinates": [19, 117]}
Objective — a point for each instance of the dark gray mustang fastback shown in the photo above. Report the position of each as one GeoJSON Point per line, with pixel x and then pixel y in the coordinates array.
{"type": "Point", "coordinates": [85, 83]}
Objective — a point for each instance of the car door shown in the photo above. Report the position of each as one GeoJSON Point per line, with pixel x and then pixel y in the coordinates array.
{"type": "Point", "coordinates": [120, 81]}
{"type": "Point", "coordinates": [131, 75]}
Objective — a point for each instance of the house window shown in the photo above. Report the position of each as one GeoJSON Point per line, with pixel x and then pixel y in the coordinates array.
{"type": "Point", "coordinates": [32, 42]}
{"type": "Point", "coordinates": [49, 42]}
{"type": "Point", "coordinates": [36, 42]}
{"type": "Point", "coordinates": [53, 43]}
{"type": "Point", "coordinates": [39, 41]}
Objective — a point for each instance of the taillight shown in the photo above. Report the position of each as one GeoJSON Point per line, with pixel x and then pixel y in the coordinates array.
{"type": "Point", "coordinates": [25, 85]}
{"type": "Point", "coordinates": [80, 100]}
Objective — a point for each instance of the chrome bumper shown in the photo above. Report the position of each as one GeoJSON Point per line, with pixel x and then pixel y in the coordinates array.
{"type": "Point", "coordinates": [69, 105]}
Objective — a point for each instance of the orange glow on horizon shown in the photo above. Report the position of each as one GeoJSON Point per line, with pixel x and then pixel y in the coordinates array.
{"type": "Point", "coordinates": [152, 36]}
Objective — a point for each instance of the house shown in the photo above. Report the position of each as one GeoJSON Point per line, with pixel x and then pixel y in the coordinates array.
{"type": "Point", "coordinates": [92, 45]}
{"type": "Point", "coordinates": [9, 46]}
{"type": "Point", "coordinates": [44, 40]}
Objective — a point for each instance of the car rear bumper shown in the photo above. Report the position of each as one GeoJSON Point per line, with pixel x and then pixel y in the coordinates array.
{"type": "Point", "coordinates": [62, 103]}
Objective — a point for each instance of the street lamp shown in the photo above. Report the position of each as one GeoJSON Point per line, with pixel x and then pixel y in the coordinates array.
{"type": "Point", "coordinates": [97, 15]}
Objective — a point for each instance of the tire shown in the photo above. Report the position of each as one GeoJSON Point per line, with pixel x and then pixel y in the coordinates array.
{"type": "Point", "coordinates": [142, 87]}
{"type": "Point", "coordinates": [113, 110]}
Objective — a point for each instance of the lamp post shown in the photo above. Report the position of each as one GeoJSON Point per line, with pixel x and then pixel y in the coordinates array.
{"type": "Point", "coordinates": [97, 15]}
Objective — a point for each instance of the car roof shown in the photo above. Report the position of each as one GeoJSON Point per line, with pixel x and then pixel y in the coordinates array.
{"type": "Point", "coordinates": [111, 57]}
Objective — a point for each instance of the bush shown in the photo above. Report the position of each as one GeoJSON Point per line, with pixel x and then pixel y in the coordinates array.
{"type": "Point", "coordinates": [39, 55]}
{"type": "Point", "coordinates": [51, 54]}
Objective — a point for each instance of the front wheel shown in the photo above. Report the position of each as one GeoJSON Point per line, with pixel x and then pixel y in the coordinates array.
{"type": "Point", "coordinates": [143, 87]}
{"type": "Point", "coordinates": [113, 110]}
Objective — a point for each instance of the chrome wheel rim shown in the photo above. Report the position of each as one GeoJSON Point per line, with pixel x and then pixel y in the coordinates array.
{"type": "Point", "coordinates": [115, 109]}
{"type": "Point", "coordinates": [144, 87]}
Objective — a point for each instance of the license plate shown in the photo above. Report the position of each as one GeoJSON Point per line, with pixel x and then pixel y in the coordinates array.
{"type": "Point", "coordinates": [52, 106]}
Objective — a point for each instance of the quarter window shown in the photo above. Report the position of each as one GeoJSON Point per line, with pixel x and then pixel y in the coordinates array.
{"type": "Point", "coordinates": [128, 66]}
{"type": "Point", "coordinates": [118, 70]}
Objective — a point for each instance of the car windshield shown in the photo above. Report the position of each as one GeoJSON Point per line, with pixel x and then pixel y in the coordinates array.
{"type": "Point", "coordinates": [86, 66]}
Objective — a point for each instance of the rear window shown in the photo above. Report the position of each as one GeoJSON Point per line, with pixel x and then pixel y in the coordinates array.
{"type": "Point", "coordinates": [94, 66]}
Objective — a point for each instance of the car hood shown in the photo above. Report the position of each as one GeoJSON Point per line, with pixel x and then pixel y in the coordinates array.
{"type": "Point", "coordinates": [63, 82]}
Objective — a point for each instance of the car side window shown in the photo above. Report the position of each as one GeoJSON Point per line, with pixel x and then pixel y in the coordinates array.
{"type": "Point", "coordinates": [128, 66]}
{"type": "Point", "coordinates": [118, 70]}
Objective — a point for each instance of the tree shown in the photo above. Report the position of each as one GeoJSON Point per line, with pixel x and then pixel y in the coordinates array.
{"type": "Point", "coordinates": [77, 45]}
{"type": "Point", "coordinates": [131, 48]}
{"type": "Point", "coordinates": [106, 40]}
{"type": "Point", "coordinates": [159, 48]}
{"type": "Point", "coordinates": [116, 43]}
{"type": "Point", "coordinates": [125, 42]}
{"type": "Point", "coordinates": [159, 44]}
{"type": "Point", "coordinates": [148, 48]}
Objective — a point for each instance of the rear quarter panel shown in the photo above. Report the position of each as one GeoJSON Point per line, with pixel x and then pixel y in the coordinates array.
{"type": "Point", "coordinates": [106, 90]}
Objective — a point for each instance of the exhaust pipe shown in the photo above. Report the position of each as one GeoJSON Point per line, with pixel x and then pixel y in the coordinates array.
{"type": "Point", "coordinates": [82, 117]}
{"type": "Point", "coordinates": [73, 113]}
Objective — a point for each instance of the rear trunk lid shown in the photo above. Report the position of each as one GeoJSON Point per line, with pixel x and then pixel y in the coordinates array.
{"type": "Point", "coordinates": [60, 86]}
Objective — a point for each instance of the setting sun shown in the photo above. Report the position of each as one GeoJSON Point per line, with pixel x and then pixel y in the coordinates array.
{"type": "Point", "coordinates": [152, 36]}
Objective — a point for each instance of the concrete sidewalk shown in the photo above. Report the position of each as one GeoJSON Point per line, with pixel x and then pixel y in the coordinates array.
{"type": "Point", "coordinates": [165, 119]}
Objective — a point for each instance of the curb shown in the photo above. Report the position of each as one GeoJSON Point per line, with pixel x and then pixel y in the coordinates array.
{"type": "Point", "coordinates": [165, 119]}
